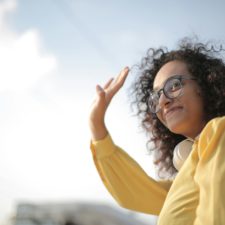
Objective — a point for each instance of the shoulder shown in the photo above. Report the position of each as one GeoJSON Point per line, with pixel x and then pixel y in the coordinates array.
{"type": "Point", "coordinates": [213, 134]}
{"type": "Point", "coordinates": [214, 126]}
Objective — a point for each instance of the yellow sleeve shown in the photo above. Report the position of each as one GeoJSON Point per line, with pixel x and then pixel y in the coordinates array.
{"type": "Point", "coordinates": [127, 182]}
{"type": "Point", "coordinates": [210, 174]}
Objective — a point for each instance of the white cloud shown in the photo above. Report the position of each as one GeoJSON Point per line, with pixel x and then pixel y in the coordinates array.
{"type": "Point", "coordinates": [23, 62]}
{"type": "Point", "coordinates": [6, 7]}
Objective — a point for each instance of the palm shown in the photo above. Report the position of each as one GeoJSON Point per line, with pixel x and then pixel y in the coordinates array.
{"type": "Point", "coordinates": [103, 99]}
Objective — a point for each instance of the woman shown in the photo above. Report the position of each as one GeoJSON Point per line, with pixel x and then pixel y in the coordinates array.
{"type": "Point", "coordinates": [180, 97]}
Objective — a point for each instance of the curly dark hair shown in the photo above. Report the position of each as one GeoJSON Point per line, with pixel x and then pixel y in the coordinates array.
{"type": "Point", "coordinates": [205, 63]}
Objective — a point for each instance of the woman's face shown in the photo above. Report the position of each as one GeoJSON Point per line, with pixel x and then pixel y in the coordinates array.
{"type": "Point", "coordinates": [185, 114]}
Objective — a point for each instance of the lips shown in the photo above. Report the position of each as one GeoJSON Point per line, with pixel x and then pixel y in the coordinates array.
{"type": "Point", "coordinates": [171, 110]}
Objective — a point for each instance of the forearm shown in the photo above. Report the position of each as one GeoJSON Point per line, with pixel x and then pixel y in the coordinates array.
{"type": "Point", "coordinates": [127, 182]}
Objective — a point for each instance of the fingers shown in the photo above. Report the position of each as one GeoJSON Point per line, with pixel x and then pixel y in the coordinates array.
{"type": "Point", "coordinates": [123, 75]}
{"type": "Point", "coordinates": [104, 97]}
{"type": "Point", "coordinates": [99, 88]}
{"type": "Point", "coordinates": [120, 78]}
{"type": "Point", "coordinates": [119, 81]}
{"type": "Point", "coordinates": [108, 83]}
{"type": "Point", "coordinates": [112, 86]}
{"type": "Point", "coordinates": [100, 91]}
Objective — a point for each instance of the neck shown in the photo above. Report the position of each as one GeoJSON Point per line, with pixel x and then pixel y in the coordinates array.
{"type": "Point", "coordinates": [194, 133]}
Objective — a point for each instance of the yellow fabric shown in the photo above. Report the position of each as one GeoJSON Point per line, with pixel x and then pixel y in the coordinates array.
{"type": "Point", "coordinates": [126, 180]}
{"type": "Point", "coordinates": [196, 196]}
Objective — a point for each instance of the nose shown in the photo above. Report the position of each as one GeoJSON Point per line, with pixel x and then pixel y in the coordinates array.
{"type": "Point", "coordinates": [164, 101]}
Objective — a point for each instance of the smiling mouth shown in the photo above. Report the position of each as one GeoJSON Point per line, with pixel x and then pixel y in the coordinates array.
{"type": "Point", "coordinates": [172, 110]}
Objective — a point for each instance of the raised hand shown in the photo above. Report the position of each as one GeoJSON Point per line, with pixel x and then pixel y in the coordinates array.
{"type": "Point", "coordinates": [101, 103]}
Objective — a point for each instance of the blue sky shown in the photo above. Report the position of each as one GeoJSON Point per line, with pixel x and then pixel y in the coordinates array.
{"type": "Point", "coordinates": [53, 53]}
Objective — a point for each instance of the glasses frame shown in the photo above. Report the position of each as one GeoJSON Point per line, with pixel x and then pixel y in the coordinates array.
{"type": "Point", "coordinates": [159, 92]}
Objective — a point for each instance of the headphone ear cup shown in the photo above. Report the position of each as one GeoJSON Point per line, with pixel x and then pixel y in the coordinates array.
{"type": "Point", "coordinates": [181, 152]}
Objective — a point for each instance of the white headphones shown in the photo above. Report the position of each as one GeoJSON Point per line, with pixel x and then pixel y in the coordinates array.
{"type": "Point", "coordinates": [181, 152]}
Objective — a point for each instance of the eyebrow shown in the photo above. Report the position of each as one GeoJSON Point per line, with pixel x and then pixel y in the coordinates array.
{"type": "Point", "coordinates": [174, 76]}
{"type": "Point", "coordinates": [158, 88]}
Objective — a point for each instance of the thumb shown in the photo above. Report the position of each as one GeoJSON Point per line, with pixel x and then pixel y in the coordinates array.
{"type": "Point", "coordinates": [100, 92]}
{"type": "Point", "coordinates": [100, 95]}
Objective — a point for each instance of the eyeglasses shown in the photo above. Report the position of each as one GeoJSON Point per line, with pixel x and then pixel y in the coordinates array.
{"type": "Point", "coordinates": [172, 89]}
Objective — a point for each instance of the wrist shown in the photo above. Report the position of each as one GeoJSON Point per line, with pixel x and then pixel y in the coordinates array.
{"type": "Point", "coordinates": [98, 132]}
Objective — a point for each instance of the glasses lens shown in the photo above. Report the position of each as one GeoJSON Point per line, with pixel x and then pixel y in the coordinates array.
{"type": "Point", "coordinates": [172, 88]}
{"type": "Point", "coordinates": [153, 102]}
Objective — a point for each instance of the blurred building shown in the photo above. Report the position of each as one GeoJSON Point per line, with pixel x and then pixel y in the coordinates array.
{"type": "Point", "coordinates": [73, 214]}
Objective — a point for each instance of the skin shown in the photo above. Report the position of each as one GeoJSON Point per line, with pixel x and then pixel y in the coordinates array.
{"type": "Point", "coordinates": [102, 100]}
{"type": "Point", "coordinates": [183, 115]}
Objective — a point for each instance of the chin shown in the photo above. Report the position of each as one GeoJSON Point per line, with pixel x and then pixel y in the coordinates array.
{"type": "Point", "coordinates": [177, 127]}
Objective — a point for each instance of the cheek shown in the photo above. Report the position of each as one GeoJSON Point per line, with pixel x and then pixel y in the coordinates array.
{"type": "Point", "coordinates": [197, 109]}
{"type": "Point", "coordinates": [160, 117]}
{"type": "Point", "coordinates": [194, 103]}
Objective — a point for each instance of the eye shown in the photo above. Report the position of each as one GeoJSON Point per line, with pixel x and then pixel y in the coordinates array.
{"type": "Point", "coordinates": [173, 85]}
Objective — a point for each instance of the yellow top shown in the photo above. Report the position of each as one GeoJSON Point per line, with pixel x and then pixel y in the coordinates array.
{"type": "Point", "coordinates": [197, 194]}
